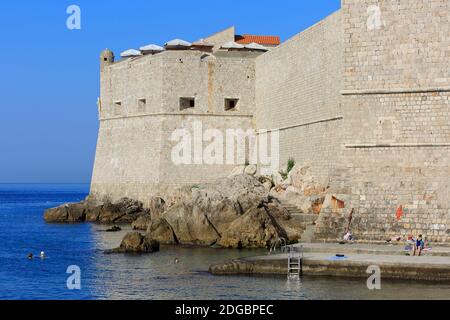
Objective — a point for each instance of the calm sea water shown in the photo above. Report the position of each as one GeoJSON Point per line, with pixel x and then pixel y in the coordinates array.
{"type": "Point", "coordinates": [22, 230]}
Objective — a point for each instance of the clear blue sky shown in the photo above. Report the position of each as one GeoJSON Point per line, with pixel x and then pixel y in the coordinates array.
{"type": "Point", "coordinates": [49, 75]}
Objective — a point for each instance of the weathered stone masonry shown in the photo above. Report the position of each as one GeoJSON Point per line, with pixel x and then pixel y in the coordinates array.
{"type": "Point", "coordinates": [298, 92]}
{"type": "Point", "coordinates": [395, 140]}
{"type": "Point", "coordinates": [363, 96]}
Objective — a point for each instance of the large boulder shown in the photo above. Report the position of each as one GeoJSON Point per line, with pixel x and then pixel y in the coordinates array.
{"type": "Point", "coordinates": [126, 211]}
{"type": "Point", "coordinates": [93, 213]}
{"type": "Point", "coordinates": [227, 199]}
{"type": "Point", "coordinates": [232, 212]}
{"type": "Point", "coordinates": [252, 230]}
{"type": "Point", "coordinates": [156, 207]}
{"type": "Point", "coordinates": [191, 225]}
{"type": "Point", "coordinates": [162, 232]}
{"type": "Point", "coordinates": [142, 223]}
{"type": "Point", "coordinates": [67, 213]}
{"type": "Point", "coordinates": [176, 196]}
{"type": "Point", "coordinates": [260, 227]}
{"type": "Point", "coordinates": [56, 215]}
{"type": "Point", "coordinates": [134, 242]}
{"type": "Point", "coordinates": [242, 192]}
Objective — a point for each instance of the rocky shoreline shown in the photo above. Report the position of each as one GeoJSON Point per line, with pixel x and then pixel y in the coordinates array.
{"type": "Point", "coordinates": [126, 211]}
{"type": "Point", "coordinates": [245, 210]}
{"type": "Point", "coordinates": [135, 242]}
{"type": "Point", "coordinates": [240, 211]}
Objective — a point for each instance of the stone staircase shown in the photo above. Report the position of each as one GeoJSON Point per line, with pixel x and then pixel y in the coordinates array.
{"type": "Point", "coordinates": [307, 220]}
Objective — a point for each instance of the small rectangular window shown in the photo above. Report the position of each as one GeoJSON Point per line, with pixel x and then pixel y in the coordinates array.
{"type": "Point", "coordinates": [142, 103]}
{"type": "Point", "coordinates": [231, 104]}
{"type": "Point", "coordinates": [117, 108]}
{"type": "Point", "coordinates": [187, 103]}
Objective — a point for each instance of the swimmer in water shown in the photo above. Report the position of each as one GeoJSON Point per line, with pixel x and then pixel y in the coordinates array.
{"type": "Point", "coordinates": [30, 256]}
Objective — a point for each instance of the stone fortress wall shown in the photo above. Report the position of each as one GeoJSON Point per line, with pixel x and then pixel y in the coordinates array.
{"type": "Point", "coordinates": [396, 138]}
{"type": "Point", "coordinates": [298, 89]}
{"type": "Point", "coordinates": [365, 100]}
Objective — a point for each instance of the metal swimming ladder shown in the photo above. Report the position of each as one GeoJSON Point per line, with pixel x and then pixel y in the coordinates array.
{"type": "Point", "coordinates": [295, 263]}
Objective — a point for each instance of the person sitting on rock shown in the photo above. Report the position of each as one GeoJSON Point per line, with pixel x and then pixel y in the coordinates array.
{"type": "Point", "coordinates": [419, 245]}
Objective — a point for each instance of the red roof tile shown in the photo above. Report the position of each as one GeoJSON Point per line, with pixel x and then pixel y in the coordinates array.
{"type": "Point", "coordinates": [264, 40]}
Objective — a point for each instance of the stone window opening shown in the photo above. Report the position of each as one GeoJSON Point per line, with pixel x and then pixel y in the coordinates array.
{"type": "Point", "coordinates": [187, 103]}
{"type": "Point", "coordinates": [142, 103]}
{"type": "Point", "coordinates": [231, 104]}
{"type": "Point", "coordinates": [117, 110]}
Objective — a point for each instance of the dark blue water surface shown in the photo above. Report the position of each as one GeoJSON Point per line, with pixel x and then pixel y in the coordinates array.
{"type": "Point", "coordinates": [154, 276]}
{"type": "Point", "coordinates": [23, 231]}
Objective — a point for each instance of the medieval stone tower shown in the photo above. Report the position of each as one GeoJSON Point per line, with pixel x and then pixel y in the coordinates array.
{"type": "Point", "coordinates": [146, 98]}
{"type": "Point", "coordinates": [363, 96]}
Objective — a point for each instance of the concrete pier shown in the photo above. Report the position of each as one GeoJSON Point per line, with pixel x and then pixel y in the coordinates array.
{"type": "Point", "coordinates": [321, 260]}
